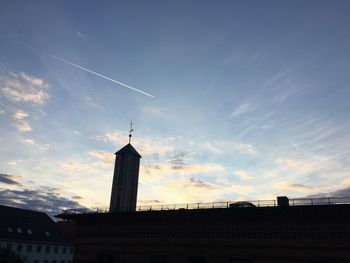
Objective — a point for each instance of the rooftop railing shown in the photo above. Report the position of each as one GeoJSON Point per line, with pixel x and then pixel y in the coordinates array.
{"type": "Point", "coordinates": [213, 205]}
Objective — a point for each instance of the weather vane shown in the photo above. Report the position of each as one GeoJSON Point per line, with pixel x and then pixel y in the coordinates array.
{"type": "Point", "coordinates": [130, 131]}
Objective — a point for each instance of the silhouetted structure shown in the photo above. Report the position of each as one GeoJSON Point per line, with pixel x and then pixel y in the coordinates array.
{"type": "Point", "coordinates": [125, 180]}
{"type": "Point", "coordinates": [308, 234]}
{"type": "Point", "coordinates": [311, 231]}
{"type": "Point", "coordinates": [34, 236]}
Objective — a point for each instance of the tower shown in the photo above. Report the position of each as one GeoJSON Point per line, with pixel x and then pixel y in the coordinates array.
{"type": "Point", "coordinates": [125, 179]}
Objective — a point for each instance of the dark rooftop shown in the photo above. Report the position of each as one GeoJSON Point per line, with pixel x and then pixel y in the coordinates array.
{"type": "Point", "coordinates": [313, 214]}
{"type": "Point", "coordinates": [22, 224]}
{"type": "Point", "coordinates": [128, 149]}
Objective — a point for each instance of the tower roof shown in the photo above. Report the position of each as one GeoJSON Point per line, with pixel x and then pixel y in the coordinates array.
{"type": "Point", "coordinates": [128, 149]}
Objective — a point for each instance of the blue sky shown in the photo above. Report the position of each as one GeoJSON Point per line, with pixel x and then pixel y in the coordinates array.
{"type": "Point", "coordinates": [251, 99]}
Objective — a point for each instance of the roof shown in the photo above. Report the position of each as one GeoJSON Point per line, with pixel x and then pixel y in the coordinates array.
{"type": "Point", "coordinates": [235, 215]}
{"type": "Point", "coordinates": [128, 149]}
{"type": "Point", "coordinates": [22, 224]}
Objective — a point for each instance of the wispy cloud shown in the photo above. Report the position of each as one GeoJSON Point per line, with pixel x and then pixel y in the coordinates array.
{"type": "Point", "coordinates": [24, 87]}
{"type": "Point", "coordinates": [9, 179]}
{"type": "Point", "coordinates": [79, 34]}
{"type": "Point", "coordinates": [242, 109]}
{"type": "Point", "coordinates": [38, 147]}
{"type": "Point", "coordinates": [294, 187]}
{"type": "Point", "coordinates": [145, 146]}
{"type": "Point", "coordinates": [105, 157]}
{"type": "Point", "coordinates": [18, 120]}
{"type": "Point", "coordinates": [160, 171]}
{"type": "Point", "coordinates": [244, 175]}
{"type": "Point", "coordinates": [168, 145]}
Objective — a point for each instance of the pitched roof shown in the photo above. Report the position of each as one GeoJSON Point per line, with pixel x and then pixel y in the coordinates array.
{"type": "Point", "coordinates": [22, 224]}
{"type": "Point", "coordinates": [128, 149]}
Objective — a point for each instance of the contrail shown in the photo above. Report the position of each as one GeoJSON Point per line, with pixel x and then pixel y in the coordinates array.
{"type": "Point", "coordinates": [85, 69]}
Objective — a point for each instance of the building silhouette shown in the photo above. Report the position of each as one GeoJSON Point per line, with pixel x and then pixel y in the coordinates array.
{"type": "Point", "coordinates": [125, 180]}
{"type": "Point", "coordinates": [34, 236]}
{"type": "Point", "coordinates": [286, 231]}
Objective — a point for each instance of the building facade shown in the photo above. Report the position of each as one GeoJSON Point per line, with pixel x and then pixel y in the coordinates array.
{"type": "Point", "coordinates": [308, 234]}
{"type": "Point", "coordinates": [34, 236]}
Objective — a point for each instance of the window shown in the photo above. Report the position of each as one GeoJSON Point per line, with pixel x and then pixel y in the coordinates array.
{"type": "Point", "coordinates": [71, 250]}
{"type": "Point", "coordinates": [9, 229]}
{"type": "Point", "coordinates": [36, 261]}
{"type": "Point", "coordinates": [46, 261]}
{"type": "Point", "coordinates": [29, 248]}
{"type": "Point", "coordinates": [29, 231]}
{"type": "Point", "coordinates": [55, 250]}
{"type": "Point", "coordinates": [38, 249]}
{"type": "Point", "coordinates": [64, 251]}
{"type": "Point", "coordinates": [19, 230]}
{"type": "Point", "coordinates": [19, 247]}
{"type": "Point", "coordinates": [9, 246]}
{"type": "Point", "coordinates": [62, 261]}
{"type": "Point", "coordinates": [54, 261]}
{"type": "Point", "coordinates": [47, 249]}
{"type": "Point", "coordinates": [47, 234]}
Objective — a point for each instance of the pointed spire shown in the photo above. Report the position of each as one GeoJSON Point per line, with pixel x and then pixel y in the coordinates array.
{"type": "Point", "coordinates": [130, 131]}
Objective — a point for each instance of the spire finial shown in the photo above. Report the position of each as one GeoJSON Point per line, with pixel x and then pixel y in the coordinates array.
{"type": "Point", "coordinates": [130, 131]}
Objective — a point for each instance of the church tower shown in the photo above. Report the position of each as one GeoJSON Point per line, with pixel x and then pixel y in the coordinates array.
{"type": "Point", "coordinates": [125, 179]}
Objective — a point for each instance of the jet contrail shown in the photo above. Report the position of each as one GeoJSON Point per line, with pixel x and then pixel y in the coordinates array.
{"type": "Point", "coordinates": [83, 68]}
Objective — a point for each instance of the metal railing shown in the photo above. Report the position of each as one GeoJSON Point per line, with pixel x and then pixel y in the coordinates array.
{"type": "Point", "coordinates": [319, 201]}
{"type": "Point", "coordinates": [214, 205]}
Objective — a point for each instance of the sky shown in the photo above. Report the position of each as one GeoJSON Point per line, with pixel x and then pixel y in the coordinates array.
{"type": "Point", "coordinates": [235, 100]}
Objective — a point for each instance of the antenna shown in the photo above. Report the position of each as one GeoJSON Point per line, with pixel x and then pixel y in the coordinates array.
{"type": "Point", "coordinates": [130, 131]}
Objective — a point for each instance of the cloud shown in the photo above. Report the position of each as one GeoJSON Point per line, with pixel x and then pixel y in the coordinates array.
{"type": "Point", "coordinates": [41, 147]}
{"type": "Point", "coordinates": [14, 162]}
{"type": "Point", "coordinates": [79, 34]}
{"type": "Point", "coordinates": [148, 202]}
{"type": "Point", "coordinates": [75, 167]}
{"type": "Point", "coordinates": [196, 183]}
{"type": "Point", "coordinates": [344, 192]}
{"type": "Point", "coordinates": [242, 109]}
{"type": "Point", "coordinates": [104, 160]}
{"type": "Point", "coordinates": [105, 157]}
{"type": "Point", "coordinates": [155, 172]}
{"type": "Point", "coordinates": [24, 87]}
{"type": "Point", "coordinates": [40, 200]}
{"type": "Point", "coordinates": [244, 175]}
{"type": "Point", "coordinates": [18, 121]}
{"type": "Point", "coordinates": [294, 187]}
{"type": "Point", "coordinates": [9, 179]}
{"type": "Point", "coordinates": [191, 190]}
{"type": "Point", "coordinates": [301, 166]}
{"type": "Point", "coordinates": [153, 111]}
{"type": "Point", "coordinates": [145, 146]}
{"type": "Point", "coordinates": [162, 146]}
{"type": "Point", "coordinates": [178, 160]}
{"type": "Point", "coordinates": [34, 197]}
{"type": "Point", "coordinates": [227, 147]}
